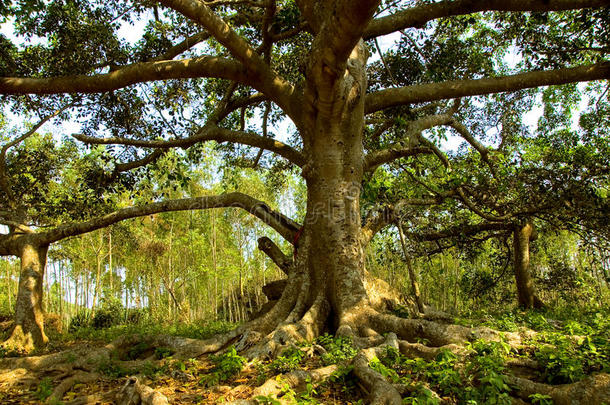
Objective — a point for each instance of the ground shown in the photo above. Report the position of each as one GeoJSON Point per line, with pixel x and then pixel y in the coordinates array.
{"type": "Point", "coordinates": [537, 360]}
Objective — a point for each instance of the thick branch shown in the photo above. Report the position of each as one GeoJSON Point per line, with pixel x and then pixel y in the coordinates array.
{"type": "Point", "coordinates": [204, 66]}
{"type": "Point", "coordinates": [462, 88]}
{"type": "Point", "coordinates": [8, 245]}
{"type": "Point", "coordinates": [278, 89]}
{"type": "Point", "coordinates": [207, 133]}
{"type": "Point", "coordinates": [342, 30]}
{"type": "Point", "coordinates": [283, 225]}
{"type": "Point", "coordinates": [397, 151]}
{"type": "Point", "coordinates": [420, 15]}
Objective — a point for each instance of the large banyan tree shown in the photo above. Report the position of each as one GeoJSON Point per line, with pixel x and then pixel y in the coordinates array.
{"type": "Point", "coordinates": [202, 67]}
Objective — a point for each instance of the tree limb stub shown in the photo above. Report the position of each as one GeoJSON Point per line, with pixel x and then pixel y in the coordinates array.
{"type": "Point", "coordinates": [268, 247]}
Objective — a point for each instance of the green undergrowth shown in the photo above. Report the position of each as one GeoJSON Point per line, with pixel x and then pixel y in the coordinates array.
{"type": "Point", "coordinates": [571, 343]}
{"type": "Point", "coordinates": [196, 330]}
{"type": "Point", "coordinates": [338, 388]}
{"type": "Point", "coordinates": [567, 320]}
{"type": "Point", "coordinates": [477, 380]}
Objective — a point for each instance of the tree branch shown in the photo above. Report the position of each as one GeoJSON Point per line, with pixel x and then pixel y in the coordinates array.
{"type": "Point", "coordinates": [204, 66]}
{"type": "Point", "coordinates": [378, 219]}
{"type": "Point", "coordinates": [483, 151]}
{"type": "Point", "coordinates": [462, 88]}
{"type": "Point", "coordinates": [282, 224]}
{"type": "Point", "coordinates": [420, 15]}
{"type": "Point", "coordinates": [151, 157]}
{"type": "Point", "coordinates": [459, 231]}
{"type": "Point", "coordinates": [207, 133]}
{"type": "Point", "coordinates": [396, 151]}
{"type": "Point", "coordinates": [183, 46]}
{"type": "Point", "coordinates": [343, 29]}
{"type": "Point", "coordinates": [270, 83]}
{"type": "Point", "coordinates": [399, 150]}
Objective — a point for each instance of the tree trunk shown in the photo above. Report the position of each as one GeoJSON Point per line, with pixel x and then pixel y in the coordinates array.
{"type": "Point", "coordinates": [412, 275]}
{"type": "Point", "coordinates": [329, 254]}
{"type": "Point", "coordinates": [522, 235]}
{"type": "Point", "coordinates": [28, 331]}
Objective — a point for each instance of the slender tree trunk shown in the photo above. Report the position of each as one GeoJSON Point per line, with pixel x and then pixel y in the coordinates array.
{"type": "Point", "coordinates": [522, 235]}
{"type": "Point", "coordinates": [98, 281]}
{"type": "Point", "coordinates": [412, 275]}
{"type": "Point", "coordinates": [110, 281]}
{"type": "Point", "coordinates": [9, 282]}
{"type": "Point", "coordinates": [28, 330]}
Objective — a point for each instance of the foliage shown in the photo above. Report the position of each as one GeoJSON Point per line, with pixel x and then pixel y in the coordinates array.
{"type": "Point", "coordinates": [338, 349]}
{"type": "Point", "coordinates": [110, 314]}
{"type": "Point", "coordinates": [479, 380]}
{"type": "Point", "coordinates": [44, 389]}
{"type": "Point", "coordinates": [290, 359]}
{"type": "Point", "coordinates": [226, 366]}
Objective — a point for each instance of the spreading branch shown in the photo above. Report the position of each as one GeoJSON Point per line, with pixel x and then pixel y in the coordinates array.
{"type": "Point", "coordinates": [207, 133]}
{"type": "Point", "coordinates": [463, 88]}
{"type": "Point", "coordinates": [420, 15]}
{"type": "Point", "coordinates": [151, 157]}
{"type": "Point", "coordinates": [378, 219]}
{"type": "Point", "coordinates": [460, 230]}
{"type": "Point", "coordinates": [203, 66]}
{"type": "Point", "coordinates": [282, 224]}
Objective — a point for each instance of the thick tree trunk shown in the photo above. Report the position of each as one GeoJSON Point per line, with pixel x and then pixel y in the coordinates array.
{"type": "Point", "coordinates": [522, 235]}
{"type": "Point", "coordinates": [28, 331]}
{"type": "Point", "coordinates": [329, 253]}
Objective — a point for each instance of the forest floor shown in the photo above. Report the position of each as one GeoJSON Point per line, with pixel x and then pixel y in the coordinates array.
{"type": "Point", "coordinates": [96, 365]}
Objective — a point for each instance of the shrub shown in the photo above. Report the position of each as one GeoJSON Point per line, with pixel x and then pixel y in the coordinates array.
{"type": "Point", "coordinates": [80, 320]}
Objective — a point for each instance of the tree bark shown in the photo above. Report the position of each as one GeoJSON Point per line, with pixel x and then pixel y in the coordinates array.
{"type": "Point", "coordinates": [522, 235]}
{"type": "Point", "coordinates": [28, 331]}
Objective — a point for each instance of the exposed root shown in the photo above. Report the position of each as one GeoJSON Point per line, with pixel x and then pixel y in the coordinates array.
{"type": "Point", "coordinates": [438, 334]}
{"type": "Point", "coordinates": [68, 383]}
{"type": "Point", "coordinates": [594, 389]}
{"type": "Point", "coordinates": [295, 379]}
{"type": "Point", "coordinates": [414, 350]}
{"type": "Point", "coordinates": [380, 391]}
{"type": "Point", "coordinates": [134, 392]}
{"type": "Point", "coordinates": [406, 389]}
{"type": "Point", "coordinates": [93, 399]}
